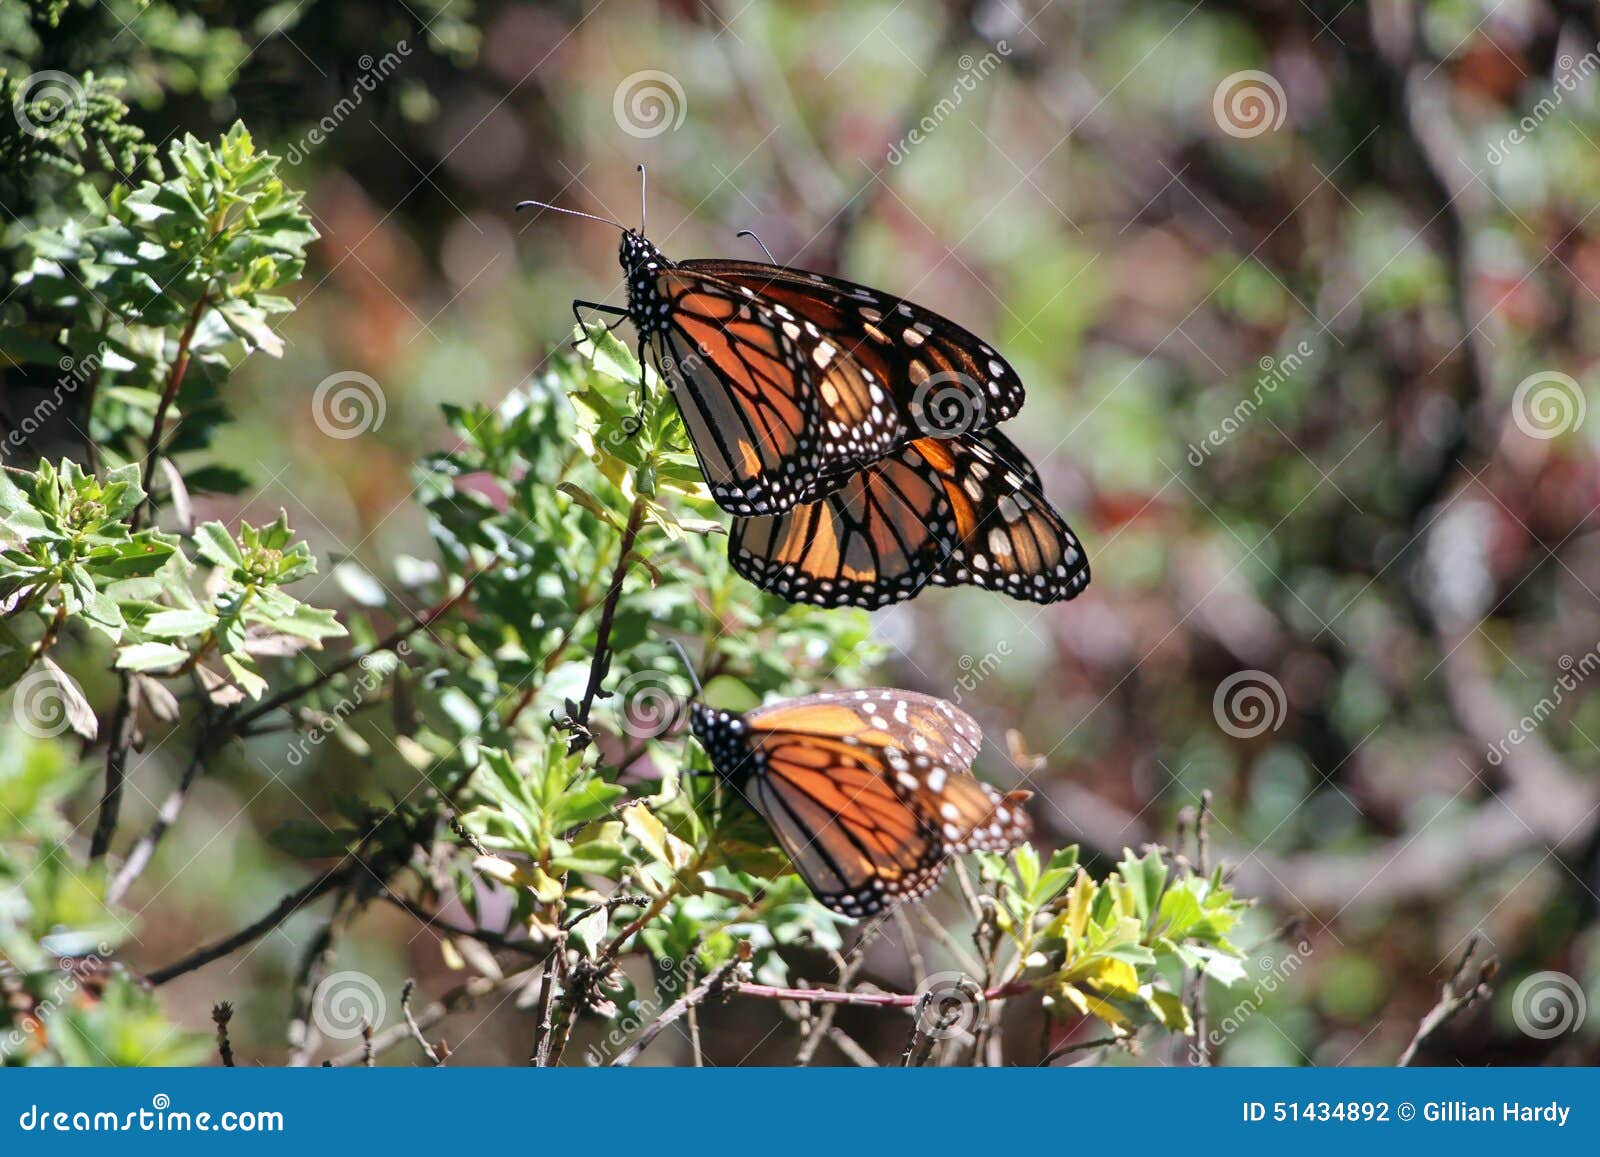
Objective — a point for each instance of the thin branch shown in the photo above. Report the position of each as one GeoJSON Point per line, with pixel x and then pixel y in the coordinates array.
{"type": "Point", "coordinates": [866, 999]}
{"type": "Point", "coordinates": [714, 984]}
{"type": "Point", "coordinates": [123, 726]}
{"type": "Point", "coordinates": [434, 1055]}
{"type": "Point", "coordinates": [433, 922]}
{"type": "Point", "coordinates": [601, 663]}
{"type": "Point", "coordinates": [1071, 1047]}
{"type": "Point", "coordinates": [288, 906]}
{"type": "Point", "coordinates": [175, 376]}
{"type": "Point", "coordinates": [1468, 984]}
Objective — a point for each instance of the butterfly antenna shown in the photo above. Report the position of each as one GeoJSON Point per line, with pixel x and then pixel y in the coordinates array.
{"type": "Point", "coordinates": [521, 205]}
{"type": "Point", "coordinates": [694, 679]}
{"type": "Point", "coordinates": [642, 201]}
{"type": "Point", "coordinates": [750, 233]}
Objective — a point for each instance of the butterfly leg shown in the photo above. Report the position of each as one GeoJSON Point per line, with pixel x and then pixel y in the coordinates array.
{"type": "Point", "coordinates": [633, 423]}
{"type": "Point", "coordinates": [620, 314]}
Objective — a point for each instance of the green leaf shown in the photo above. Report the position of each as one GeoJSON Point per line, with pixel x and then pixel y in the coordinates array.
{"type": "Point", "coordinates": [215, 545]}
{"type": "Point", "coordinates": [150, 657]}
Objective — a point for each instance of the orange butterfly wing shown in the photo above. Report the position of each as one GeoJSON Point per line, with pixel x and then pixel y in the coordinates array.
{"type": "Point", "coordinates": [868, 792]}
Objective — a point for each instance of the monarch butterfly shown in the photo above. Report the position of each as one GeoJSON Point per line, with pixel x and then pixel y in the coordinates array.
{"type": "Point", "coordinates": [868, 792]}
{"type": "Point", "coordinates": [789, 382]}
{"type": "Point", "coordinates": [958, 511]}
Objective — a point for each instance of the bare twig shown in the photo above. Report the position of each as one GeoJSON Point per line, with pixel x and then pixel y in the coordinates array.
{"type": "Point", "coordinates": [457, 998]}
{"type": "Point", "coordinates": [434, 1055]}
{"type": "Point", "coordinates": [1468, 984]}
{"type": "Point", "coordinates": [288, 906]}
{"type": "Point", "coordinates": [865, 999]}
{"type": "Point", "coordinates": [600, 664]}
{"type": "Point", "coordinates": [1071, 1047]}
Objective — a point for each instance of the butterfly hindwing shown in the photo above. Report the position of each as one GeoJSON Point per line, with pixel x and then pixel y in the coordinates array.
{"type": "Point", "coordinates": [947, 512]}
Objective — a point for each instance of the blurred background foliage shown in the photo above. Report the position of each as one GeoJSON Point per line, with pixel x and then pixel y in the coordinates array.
{"type": "Point", "coordinates": [1289, 381]}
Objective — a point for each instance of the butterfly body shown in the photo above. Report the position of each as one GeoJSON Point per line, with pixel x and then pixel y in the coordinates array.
{"type": "Point", "coordinates": [868, 792]}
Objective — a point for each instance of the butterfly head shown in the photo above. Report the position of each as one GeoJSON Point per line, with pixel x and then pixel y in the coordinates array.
{"type": "Point", "coordinates": [722, 734]}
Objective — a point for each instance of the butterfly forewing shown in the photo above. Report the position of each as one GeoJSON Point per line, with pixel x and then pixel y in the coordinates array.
{"type": "Point", "coordinates": [944, 378]}
{"type": "Point", "coordinates": [771, 403]}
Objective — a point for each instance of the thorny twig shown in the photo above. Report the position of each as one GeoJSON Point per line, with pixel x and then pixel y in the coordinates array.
{"type": "Point", "coordinates": [221, 1014]}
{"type": "Point", "coordinates": [713, 985]}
